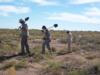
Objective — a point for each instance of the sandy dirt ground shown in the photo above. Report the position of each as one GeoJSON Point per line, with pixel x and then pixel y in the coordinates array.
{"type": "Point", "coordinates": [80, 58]}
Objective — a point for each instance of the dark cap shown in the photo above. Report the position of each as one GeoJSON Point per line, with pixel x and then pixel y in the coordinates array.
{"type": "Point", "coordinates": [44, 27]}
{"type": "Point", "coordinates": [67, 31]}
{"type": "Point", "coordinates": [21, 21]}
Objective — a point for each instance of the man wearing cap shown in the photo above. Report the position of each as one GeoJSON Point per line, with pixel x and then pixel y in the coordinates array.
{"type": "Point", "coordinates": [69, 41]}
{"type": "Point", "coordinates": [46, 39]}
{"type": "Point", "coordinates": [24, 38]}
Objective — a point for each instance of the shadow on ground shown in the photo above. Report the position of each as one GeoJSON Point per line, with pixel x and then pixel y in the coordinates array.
{"type": "Point", "coordinates": [5, 57]}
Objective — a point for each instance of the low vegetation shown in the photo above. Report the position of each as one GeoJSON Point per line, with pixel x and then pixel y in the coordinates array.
{"type": "Point", "coordinates": [84, 59]}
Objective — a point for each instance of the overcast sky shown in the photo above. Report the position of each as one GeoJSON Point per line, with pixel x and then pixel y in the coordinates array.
{"type": "Point", "coordinates": [69, 14]}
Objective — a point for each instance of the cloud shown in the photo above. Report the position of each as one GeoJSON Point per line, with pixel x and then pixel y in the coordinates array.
{"type": "Point", "coordinates": [93, 12]}
{"type": "Point", "coordinates": [8, 9]}
{"type": "Point", "coordinates": [3, 14]}
{"type": "Point", "coordinates": [75, 18]}
{"type": "Point", "coordinates": [45, 2]}
{"type": "Point", "coordinates": [84, 1]}
{"type": "Point", "coordinates": [4, 1]}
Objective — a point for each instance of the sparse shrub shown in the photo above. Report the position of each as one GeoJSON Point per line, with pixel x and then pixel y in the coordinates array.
{"type": "Point", "coordinates": [8, 65]}
{"type": "Point", "coordinates": [77, 72]}
{"type": "Point", "coordinates": [21, 64]}
{"type": "Point", "coordinates": [53, 68]}
{"type": "Point", "coordinates": [62, 52]}
{"type": "Point", "coordinates": [63, 41]}
{"type": "Point", "coordinates": [17, 64]}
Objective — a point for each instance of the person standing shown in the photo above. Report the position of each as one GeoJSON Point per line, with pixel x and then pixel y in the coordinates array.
{"type": "Point", "coordinates": [69, 41]}
{"type": "Point", "coordinates": [46, 39]}
{"type": "Point", "coordinates": [24, 38]}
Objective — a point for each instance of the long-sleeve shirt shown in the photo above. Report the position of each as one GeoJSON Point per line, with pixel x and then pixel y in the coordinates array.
{"type": "Point", "coordinates": [69, 38]}
{"type": "Point", "coordinates": [46, 35]}
{"type": "Point", "coordinates": [24, 30]}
